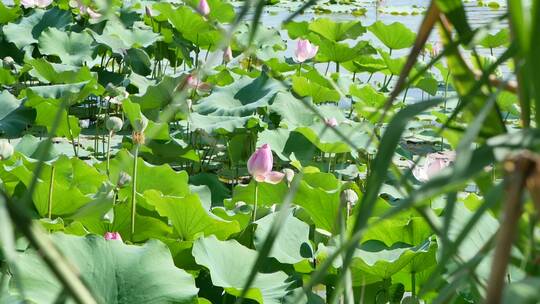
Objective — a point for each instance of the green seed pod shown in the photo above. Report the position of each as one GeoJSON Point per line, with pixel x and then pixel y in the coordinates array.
{"type": "Point", "coordinates": [114, 124]}
{"type": "Point", "coordinates": [6, 149]}
{"type": "Point", "coordinates": [8, 63]}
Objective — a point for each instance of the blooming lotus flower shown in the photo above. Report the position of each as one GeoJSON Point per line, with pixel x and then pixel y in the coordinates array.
{"type": "Point", "coordinates": [203, 8]}
{"type": "Point", "coordinates": [305, 50]}
{"type": "Point", "coordinates": [435, 162]}
{"type": "Point", "coordinates": [227, 54]}
{"type": "Point", "coordinates": [331, 122]}
{"type": "Point", "coordinates": [260, 166]}
{"type": "Point", "coordinates": [83, 9]}
{"type": "Point", "coordinates": [114, 236]}
{"type": "Point", "coordinates": [35, 3]}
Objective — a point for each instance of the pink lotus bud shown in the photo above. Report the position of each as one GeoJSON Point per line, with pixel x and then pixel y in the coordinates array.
{"type": "Point", "coordinates": [227, 54]}
{"type": "Point", "coordinates": [435, 162]}
{"type": "Point", "coordinates": [115, 236]}
{"type": "Point", "coordinates": [92, 14]}
{"type": "Point", "coordinates": [194, 83]}
{"type": "Point", "coordinates": [331, 122]}
{"type": "Point", "coordinates": [305, 50]}
{"type": "Point", "coordinates": [260, 166]}
{"type": "Point", "coordinates": [148, 12]}
{"type": "Point", "coordinates": [203, 8]}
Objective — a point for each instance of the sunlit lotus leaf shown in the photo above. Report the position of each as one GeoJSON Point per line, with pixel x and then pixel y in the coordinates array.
{"type": "Point", "coordinates": [292, 245]}
{"type": "Point", "coordinates": [229, 264]}
{"type": "Point", "coordinates": [55, 73]}
{"type": "Point", "coordinates": [119, 38]}
{"type": "Point", "coordinates": [395, 36]}
{"type": "Point", "coordinates": [115, 272]}
{"type": "Point", "coordinates": [213, 124]}
{"type": "Point", "coordinates": [241, 98]}
{"type": "Point", "coordinates": [337, 31]}
{"type": "Point", "coordinates": [188, 217]}
{"type": "Point", "coordinates": [72, 48]}
{"type": "Point", "coordinates": [29, 29]}
{"type": "Point", "coordinates": [14, 117]}
{"type": "Point", "coordinates": [266, 42]}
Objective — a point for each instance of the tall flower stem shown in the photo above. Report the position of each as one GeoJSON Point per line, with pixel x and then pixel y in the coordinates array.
{"type": "Point", "coordinates": [109, 153]}
{"type": "Point", "coordinates": [51, 189]}
{"type": "Point", "coordinates": [134, 189]}
{"type": "Point", "coordinates": [254, 213]}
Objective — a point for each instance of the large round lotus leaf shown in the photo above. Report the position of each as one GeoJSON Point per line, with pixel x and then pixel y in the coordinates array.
{"type": "Point", "coordinates": [265, 42]}
{"type": "Point", "coordinates": [114, 272]}
{"type": "Point", "coordinates": [320, 204]}
{"type": "Point", "coordinates": [8, 14]}
{"type": "Point", "coordinates": [14, 118]}
{"type": "Point", "coordinates": [341, 52]}
{"type": "Point", "coordinates": [328, 140]}
{"type": "Point", "coordinates": [72, 48]}
{"type": "Point", "coordinates": [55, 73]}
{"type": "Point", "coordinates": [306, 87]}
{"type": "Point", "coordinates": [292, 244]}
{"type": "Point", "coordinates": [373, 261]}
{"type": "Point", "coordinates": [213, 124]}
{"type": "Point", "coordinates": [285, 143]}
{"type": "Point", "coordinates": [161, 178]}
{"type": "Point", "coordinates": [241, 98]}
{"type": "Point", "coordinates": [268, 194]}
{"type": "Point", "coordinates": [188, 216]}
{"type": "Point", "coordinates": [498, 39]}
{"type": "Point", "coordinates": [230, 263]}
{"type": "Point", "coordinates": [395, 36]}
{"type": "Point", "coordinates": [118, 38]}
{"type": "Point", "coordinates": [28, 30]}
{"type": "Point", "coordinates": [337, 31]}
{"type": "Point", "coordinates": [74, 182]}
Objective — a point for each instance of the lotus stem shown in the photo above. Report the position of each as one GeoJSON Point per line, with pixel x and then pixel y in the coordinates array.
{"type": "Point", "coordinates": [134, 189]}
{"type": "Point", "coordinates": [109, 152]}
{"type": "Point", "coordinates": [51, 189]}
{"type": "Point", "coordinates": [254, 213]}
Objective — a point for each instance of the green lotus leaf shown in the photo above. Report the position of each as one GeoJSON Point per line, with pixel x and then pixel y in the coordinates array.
{"type": "Point", "coordinates": [218, 190]}
{"type": "Point", "coordinates": [6, 78]}
{"type": "Point", "coordinates": [337, 31]}
{"type": "Point", "coordinates": [74, 183]}
{"type": "Point", "coordinates": [366, 63]}
{"type": "Point", "coordinates": [188, 217]}
{"type": "Point", "coordinates": [241, 98]}
{"type": "Point", "coordinates": [213, 124]}
{"type": "Point", "coordinates": [285, 142]}
{"type": "Point", "coordinates": [266, 42]}
{"type": "Point", "coordinates": [341, 52]}
{"type": "Point", "coordinates": [161, 178]}
{"type": "Point", "coordinates": [8, 14]}
{"type": "Point", "coordinates": [268, 194]}
{"type": "Point", "coordinates": [395, 36]}
{"type": "Point", "coordinates": [428, 84]}
{"type": "Point", "coordinates": [373, 261]}
{"type": "Point", "coordinates": [498, 39]}
{"type": "Point", "coordinates": [47, 110]}
{"type": "Point", "coordinates": [139, 61]}
{"type": "Point", "coordinates": [114, 272]}
{"type": "Point", "coordinates": [292, 245]}
{"type": "Point", "coordinates": [522, 292]}
{"type": "Point", "coordinates": [119, 38]}
{"type": "Point", "coordinates": [230, 263]}
{"type": "Point", "coordinates": [321, 204]}
{"type": "Point", "coordinates": [297, 29]}
{"type": "Point", "coordinates": [306, 87]}
{"type": "Point", "coordinates": [367, 95]}
{"type": "Point", "coordinates": [327, 140]}
{"type": "Point", "coordinates": [72, 48]}
{"type": "Point", "coordinates": [29, 29]}
{"type": "Point", "coordinates": [14, 117]}
{"type": "Point", "coordinates": [158, 96]}
{"type": "Point", "coordinates": [55, 73]}
{"type": "Point", "coordinates": [154, 130]}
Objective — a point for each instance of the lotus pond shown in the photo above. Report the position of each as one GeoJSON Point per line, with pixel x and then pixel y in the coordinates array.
{"type": "Point", "coordinates": [267, 151]}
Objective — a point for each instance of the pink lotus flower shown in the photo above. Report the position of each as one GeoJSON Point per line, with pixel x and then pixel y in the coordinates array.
{"type": "Point", "coordinates": [83, 9]}
{"type": "Point", "coordinates": [435, 162]}
{"type": "Point", "coordinates": [305, 50]}
{"type": "Point", "coordinates": [193, 82]}
{"type": "Point", "coordinates": [260, 166]}
{"type": "Point", "coordinates": [35, 3]}
{"type": "Point", "coordinates": [203, 8]}
{"type": "Point", "coordinates": [227, 54]}
{"type": "Point", "coordinates": [331, 122]}
{"type": "Point", "coordinates": [114, 236]}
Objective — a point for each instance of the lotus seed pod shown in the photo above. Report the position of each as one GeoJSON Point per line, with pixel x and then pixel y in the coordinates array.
{"type": "Point", "coordinates": [114, 124]}
{"type": "Point", "coordinates": [140, 124]}
{"type": "Point", "coordinates": [289, 174]}
{"type": "Point", "coordinates": [123, 180]}
{"type": "Point", "coordinates": [349, 196]}
{"type": "Point", "coordinates": [8, 63]}
{"type": "Point", "coordinates": [6, 149]}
